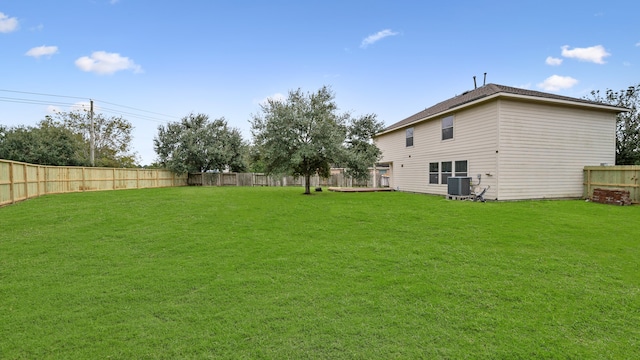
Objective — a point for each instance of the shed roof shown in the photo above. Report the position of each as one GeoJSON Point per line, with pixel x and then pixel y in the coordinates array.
{"type": "Point", "coordinates": [491, 91]}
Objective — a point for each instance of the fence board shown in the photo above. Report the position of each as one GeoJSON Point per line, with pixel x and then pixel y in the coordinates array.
{"type": "Point", "coordinates": [612, 177]}
{"type": "Point", "coordinates": [21, 181]}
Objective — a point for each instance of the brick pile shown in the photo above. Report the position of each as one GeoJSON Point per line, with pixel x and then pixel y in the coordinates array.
{"type": "Point", "coordinates": [613, 197]}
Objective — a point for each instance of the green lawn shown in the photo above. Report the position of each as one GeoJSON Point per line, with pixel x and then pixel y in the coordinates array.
{"type": "Point", "coordinates": [196, 273]}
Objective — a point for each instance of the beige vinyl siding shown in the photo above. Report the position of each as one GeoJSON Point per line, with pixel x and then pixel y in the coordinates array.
{"type": "Point", "coordinates": [544, 148]}
{"type": "Point", "coordinates": [474, 140]}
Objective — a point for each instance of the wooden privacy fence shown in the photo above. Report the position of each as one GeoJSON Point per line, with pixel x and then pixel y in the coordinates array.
{"type": "Point", "coordinates": [613, 177]}
{"type": "Point", "coordinates": [336, 179]}
{"type": "Point", "coordinates": [21, 181]}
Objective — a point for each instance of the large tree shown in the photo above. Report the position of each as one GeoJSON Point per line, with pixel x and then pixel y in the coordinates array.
{"type": "Point", "coordinates": [46, 144]}
{"type": "Point", "coordinates": [195, 144]}
{"type": "Point", "coordinates": [112, 137]}
{"type": "Point", "coordinates": [361, 151]}
{"type": "Point", "coordinates": [305, 135]}
{"type": "Point", "coordinates": [628, 123]}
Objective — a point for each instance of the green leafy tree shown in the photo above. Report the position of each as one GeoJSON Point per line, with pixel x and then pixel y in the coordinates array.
{"type": "Point", "coordinates": [254, 160]}
{"type": "Point", "coordinates": [196, 144]}
{"type": "Point", "coordinates": [300, 136]}
{"type": "Point", "coordinates": [627, 124]}
{"type": "Point", "coordinates": [361, 151]}
{"type": "Point", "coordinates": [46, 144]}
{"type": "Point", "coordinates": [112, 137]}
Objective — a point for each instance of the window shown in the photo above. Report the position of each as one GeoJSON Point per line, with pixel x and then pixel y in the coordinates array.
{"type": "Point", "coordinates": [461, 168]}
{"type": "Point", "coordinates": [446, 171]}
{"type": "Point", "coordinates": [409, 137]}
{"type": "Point", "coordinates": [433, 173]}
{"type": "Point", "coordinates": [447, 128]}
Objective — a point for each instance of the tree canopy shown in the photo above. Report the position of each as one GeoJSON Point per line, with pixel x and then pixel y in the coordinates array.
{"type": "Point", "coordinates": [112, 137]}
{"type": "Point", "coordinates": [305, 135]}
{"type": "Point", "coordinates": [627, 124]}
{"type": "Point", "coordinates": [63, 140]}
{"type": "Point", "coordinates": [361, 151]}
{"type": "Point", "coordinates": [195, 144]}
{"type": "Point", "coordinates": [46, 144]}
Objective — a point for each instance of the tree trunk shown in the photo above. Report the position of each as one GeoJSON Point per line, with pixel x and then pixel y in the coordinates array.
{"type": "Point", "coordinates": [307, 184]}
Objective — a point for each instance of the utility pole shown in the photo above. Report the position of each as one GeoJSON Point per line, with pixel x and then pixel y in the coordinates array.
{"type": "Point", "coordinates": [92, 136]}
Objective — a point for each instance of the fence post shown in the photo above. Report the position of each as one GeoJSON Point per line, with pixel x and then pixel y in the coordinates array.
{"type": "Point", "coordinates": [38, 180]}
{"type": "Point", "coordinates": [588, 183]}
{"type": "Point", "coordinates": [636, 173]}
{"type": "Point", "coordinates": [11, 192]}
{"type": "Point", "coordinates": [25, 173]}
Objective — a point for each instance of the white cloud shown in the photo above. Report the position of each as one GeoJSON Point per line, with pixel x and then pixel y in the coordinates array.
{"type": "Point", "coordinates": [52, 109]}
{"type": "Point", "coordinates": [638, 43]}
{"type": "Point", "coordinates": [275, 97]}
{"type": "Point", "coordinates": [557, 82]}
{"type": "Point", "coordinates": [553, 61]}
{"type": "Point", "coordinates": [7, 24]}
{"type": "Point", "coordinates": [102, 62]}
{"type": "Point", "coordinates": [371, 39]}
{"type": "Point", "coordinates": [594, 54]}
{"type": "Point", "coordinates": [38, 51]}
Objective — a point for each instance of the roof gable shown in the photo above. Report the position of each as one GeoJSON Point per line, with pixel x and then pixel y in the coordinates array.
{"type": "Point", "coordinates": [487, 92]}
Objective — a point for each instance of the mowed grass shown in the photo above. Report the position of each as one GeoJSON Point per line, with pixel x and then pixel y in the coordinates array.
{"type": "Point", "coordinates": [197, 273]}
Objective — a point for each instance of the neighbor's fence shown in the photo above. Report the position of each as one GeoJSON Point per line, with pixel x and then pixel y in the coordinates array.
{"type": "Point", "coordinates": [21, 181]}
{"type": "Point", "coordinates": [612, 177]}
{"type": "Point", "coordinates": [336, 179]}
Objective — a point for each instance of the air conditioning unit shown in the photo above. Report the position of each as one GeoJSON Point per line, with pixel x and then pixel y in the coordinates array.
{"type": "Point", "coordinates": [459, 186]}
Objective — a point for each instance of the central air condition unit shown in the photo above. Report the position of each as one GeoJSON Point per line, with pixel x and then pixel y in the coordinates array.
{"type": "Point", "coordinates": [459, 186]}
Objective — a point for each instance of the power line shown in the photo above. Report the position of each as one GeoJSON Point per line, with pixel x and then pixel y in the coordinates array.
{"type": "Point", "coordinates": [33, 101]}
{"type": "Point", "coordinates": [111, 110]}
{"type": "Point", "coordinates": [132, 108]}
{"type": "Point", "coordinates": [142, 117]}
{"type": "Point", "coordinates": [41, 94]}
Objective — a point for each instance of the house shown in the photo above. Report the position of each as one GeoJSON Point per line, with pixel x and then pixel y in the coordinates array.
{"type": "Point", "coordinates": [520, 143]}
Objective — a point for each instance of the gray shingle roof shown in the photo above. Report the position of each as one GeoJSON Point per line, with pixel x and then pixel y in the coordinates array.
{"type": "Point", "coordinates": [482, 92]}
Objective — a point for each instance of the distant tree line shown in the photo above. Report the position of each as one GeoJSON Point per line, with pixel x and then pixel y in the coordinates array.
{"type": "Point", "coordinates": [627, 124]}
{"type": "Point", "coordinates": [64, 140]}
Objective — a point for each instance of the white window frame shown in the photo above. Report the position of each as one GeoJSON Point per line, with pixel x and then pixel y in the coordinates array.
{"type": "Point", "coordinates": [434, 173]}
{"type": "Point", "coordinates": [446, 120]}
{"type": "Point", "coordinates": [448, 174]}
{"type": "Point", "coordinates": [441, 180]}
{"type": "Point", "coordinates": [461, 173]}
{"type": "Point", "coordinates": [411, 131]}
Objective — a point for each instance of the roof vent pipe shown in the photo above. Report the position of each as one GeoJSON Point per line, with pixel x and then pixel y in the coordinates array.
{"type": "Point", "coordinates": [474, 82]}
{"type": "Point", "coordinates": [485, 80]}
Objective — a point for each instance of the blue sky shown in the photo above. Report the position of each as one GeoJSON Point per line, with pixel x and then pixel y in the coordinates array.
{"type": "Point", "coordinates": [157, 61]}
